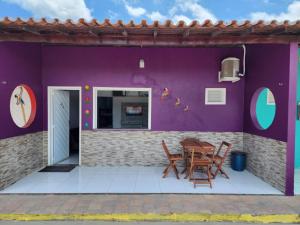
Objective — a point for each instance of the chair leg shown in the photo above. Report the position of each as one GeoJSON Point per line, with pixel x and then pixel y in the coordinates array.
{"type": "Point", "coordinates": [209, 176]}
{"type": "Point", "coordinates": [187, 171]}
{"type": "Point", "coordinates": [166, 171]}
{"type": "Point", "coordinates": [219, 166]}
{"type": "Point", "coordinates": [175, 170]}
{"type": "Point", "coordinates": [186, 164]}
{"type": "Point", "coordinates": [211, 173]}
{"type": "Point", "coordinates": [219, 169]}
{"type": "Point", "coordinates": [222, 171]}
{"type": "Point", "coordinates": [190, 172]}
{"type": "Point", "coordinates": [216, 172]}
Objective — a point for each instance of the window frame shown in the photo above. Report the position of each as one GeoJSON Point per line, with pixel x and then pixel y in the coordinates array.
{"type": "Point", "coordinates": [95, 116]}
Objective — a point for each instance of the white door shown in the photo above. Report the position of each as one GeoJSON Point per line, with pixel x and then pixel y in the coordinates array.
{"type": "Point", "coordinates": [61, 108]}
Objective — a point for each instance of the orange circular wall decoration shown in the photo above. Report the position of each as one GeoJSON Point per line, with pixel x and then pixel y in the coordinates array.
{"type": "Point", "coordinates": [23, 106]}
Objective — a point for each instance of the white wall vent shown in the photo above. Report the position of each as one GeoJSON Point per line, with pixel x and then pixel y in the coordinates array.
{"type": "Point", "coordinates": [215, 96]}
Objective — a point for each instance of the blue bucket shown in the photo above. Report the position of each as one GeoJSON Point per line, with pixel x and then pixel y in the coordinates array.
{"type": "Point", "coordinates": [238, 160]}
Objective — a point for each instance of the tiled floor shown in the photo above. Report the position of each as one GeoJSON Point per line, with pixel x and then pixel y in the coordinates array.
{"type": "Point", "coordinates": [73, 159]}
{"type": "Point", "coordinates": [297, 181]}
{"type": "Point", "coordinates": [134, 180]}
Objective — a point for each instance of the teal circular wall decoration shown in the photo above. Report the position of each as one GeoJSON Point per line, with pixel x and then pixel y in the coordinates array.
{"type": "Point", "coordinates": [263, 108]}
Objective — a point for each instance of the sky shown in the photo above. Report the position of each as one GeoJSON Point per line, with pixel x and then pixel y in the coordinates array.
{"type": "Point", "coordinates": [150, 10]}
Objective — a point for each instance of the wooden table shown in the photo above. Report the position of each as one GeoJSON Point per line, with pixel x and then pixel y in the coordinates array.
{"type": "Point", "coordinates": [193, 144]}
{"type": "Point", "coordinates": [197, 145]}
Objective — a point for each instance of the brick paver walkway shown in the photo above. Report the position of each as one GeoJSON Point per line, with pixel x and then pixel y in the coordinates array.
{"type": "Point", "coordinates": [162, 204]}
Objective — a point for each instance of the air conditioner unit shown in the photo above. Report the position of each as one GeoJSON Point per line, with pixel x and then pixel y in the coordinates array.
{"type": "Point", "coordinates": [230, 70]}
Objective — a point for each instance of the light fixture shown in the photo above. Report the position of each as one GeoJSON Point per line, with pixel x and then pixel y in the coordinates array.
{"type": "Point", "coordinates": [142, 64]}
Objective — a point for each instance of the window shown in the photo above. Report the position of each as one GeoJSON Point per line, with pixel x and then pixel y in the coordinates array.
{"type": "Point", "coordinates": [263, 108]}
{"type": "Point", "coordinates": [270, 97]}
{"type": "Point", "coordinates": [122, 108]}
{"type": "Point", "coordinates": [215, 96]}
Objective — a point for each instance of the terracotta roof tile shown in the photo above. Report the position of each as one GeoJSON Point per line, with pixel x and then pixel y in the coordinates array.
{"type": "Point", "coordinates": [193, 32]}
{"type": "Point", "coordinates": [144, 23]}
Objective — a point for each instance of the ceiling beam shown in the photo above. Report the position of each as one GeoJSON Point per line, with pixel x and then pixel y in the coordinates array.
{"type": "Point", "coordinates": [93, 33]}
{"type": "Point", "coordinates": [186, 33]}
{"type": "Point", "coordinates": [61, 31]}
{"type": "Point", "coordinates": [125, 33]}
{"type": "Point", "coordinates": [217, 33]}
{"type": "Point", "coordinates": [155, 33]}
{"type": "Point", "coordinates": [147, 40]}
{"type": "Point", "coordinates": [31, 30]}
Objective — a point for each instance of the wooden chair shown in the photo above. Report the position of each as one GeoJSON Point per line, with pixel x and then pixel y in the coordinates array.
{"type": "Point", "coordinates": [202, 161]}
{"type": "Point", "coordinates": [220, 158]}
{"type": "Point", "coordinates": [173, 158]}
{"type": "Point", "coordinates": [187, 155]}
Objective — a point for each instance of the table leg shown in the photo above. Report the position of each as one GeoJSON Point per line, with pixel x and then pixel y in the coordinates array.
{"type": "Point", "coordinates": [185, 160]}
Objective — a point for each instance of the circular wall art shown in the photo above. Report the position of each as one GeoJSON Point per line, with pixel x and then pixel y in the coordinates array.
{"type": "Point", "coordinates": [87, 112]}
{"type": "Point", "coordinates": [263, 108]}
{"type": "Point", "coordinates": [87, 100]}
{"type": "Point", "coordinates": [23, 106]}
{"type": "Point", "coordinates": [87, 87]}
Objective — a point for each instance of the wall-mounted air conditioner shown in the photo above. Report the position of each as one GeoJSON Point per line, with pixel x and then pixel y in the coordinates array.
{"type": "Point", "coordinates": [230, 68]}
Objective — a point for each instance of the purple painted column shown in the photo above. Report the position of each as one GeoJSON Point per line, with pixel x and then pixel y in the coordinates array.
{"type": "Point", "coordinates": [87, 120]}
{"type": "Point", "coordinates": [290, 157]}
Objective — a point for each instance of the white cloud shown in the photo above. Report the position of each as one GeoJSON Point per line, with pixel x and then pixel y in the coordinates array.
{"type": "Point", "coordinates": [156, 16]}
{"type": "Point", "coordinates": [134, 11]}
{"type": "Point", "coordinates": [112, 15]}
{"type": "Point", "coordinates": [177, 18]}
{"type": "Point", "coordinates": [179, 11]}
{"type": "Point", "coordinates": [292, 13]}
{"type": "Point", "coordinates": [193, 8]}
{"type": "Point", "coordinates": [61, 9]}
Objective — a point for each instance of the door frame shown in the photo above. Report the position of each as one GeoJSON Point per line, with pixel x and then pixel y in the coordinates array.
{"type": "Point", "coordinates": [50, 90]}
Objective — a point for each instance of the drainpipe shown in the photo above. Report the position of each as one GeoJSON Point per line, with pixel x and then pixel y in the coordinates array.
{"type": "Point", "coordinates": [244, 62]}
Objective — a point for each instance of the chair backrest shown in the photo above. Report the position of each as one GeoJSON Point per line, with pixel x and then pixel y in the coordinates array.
{"type": "Point", "coordinates": [166, 149]}
{"type": "Point", "coordinates": [203, 156]}
{"type": "Point", "coordinates": [224, 149]}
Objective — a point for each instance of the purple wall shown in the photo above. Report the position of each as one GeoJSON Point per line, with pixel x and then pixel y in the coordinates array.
{"type": "Point", "coordinates": [275, 67]}
{"type": "Point", "coordinates": [290, 157]}
{"type": "Point", "coordinates": [268, 66]}
{"type": "Point", "coordinates": [186, 72]}
{"type": "Point", "coordinates": [19, 64]}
